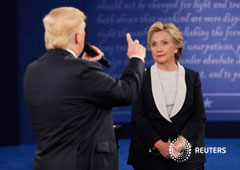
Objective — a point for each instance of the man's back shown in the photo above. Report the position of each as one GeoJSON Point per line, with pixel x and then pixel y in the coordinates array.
{"type": "Point", "coordinates": [70, 102]}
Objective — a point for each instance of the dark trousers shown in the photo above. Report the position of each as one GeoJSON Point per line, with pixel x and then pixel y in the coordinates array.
{"type": "Point", "coordinates": [174, 166]}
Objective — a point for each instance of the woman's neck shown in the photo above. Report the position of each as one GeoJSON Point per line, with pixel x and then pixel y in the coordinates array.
{"type": "Point", "coordinates": [167, 67]}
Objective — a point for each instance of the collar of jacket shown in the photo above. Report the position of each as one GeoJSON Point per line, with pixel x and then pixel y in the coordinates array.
{"type": "Point", "coordinates": [157, 91]}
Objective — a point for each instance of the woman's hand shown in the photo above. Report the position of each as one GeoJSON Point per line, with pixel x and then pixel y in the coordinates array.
{"type": "Point", "coordinates": [179, 145]}
{"type": "Point", "coordinates": [163, 148]}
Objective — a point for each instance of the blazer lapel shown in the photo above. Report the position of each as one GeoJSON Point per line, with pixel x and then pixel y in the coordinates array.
{"type": "Point", "coordinates": [181, 91]}
{"type": "Point", "coordinates": [157, 92]}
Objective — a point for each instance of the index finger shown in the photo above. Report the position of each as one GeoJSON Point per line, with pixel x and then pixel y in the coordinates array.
{"type": "Point", "coordinates": [129, 39]}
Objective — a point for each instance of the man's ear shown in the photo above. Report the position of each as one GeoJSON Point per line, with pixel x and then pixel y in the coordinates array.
{"type": "Point", "coordinates": [77, 38]}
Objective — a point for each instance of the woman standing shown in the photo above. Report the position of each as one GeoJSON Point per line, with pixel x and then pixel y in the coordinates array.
{"type": "Point", "coordinates": [169, 108]}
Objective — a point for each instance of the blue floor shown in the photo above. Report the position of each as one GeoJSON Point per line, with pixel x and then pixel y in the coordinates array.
{"type": "Point", "coordinates": [21, 157]}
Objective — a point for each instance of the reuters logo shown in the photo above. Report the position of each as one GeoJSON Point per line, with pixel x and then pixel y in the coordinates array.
{"type": "Point", "coordinates": [184, 146]}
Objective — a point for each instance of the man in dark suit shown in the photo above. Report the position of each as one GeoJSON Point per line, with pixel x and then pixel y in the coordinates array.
{"type": "Point", "coordinates": [70, 99]}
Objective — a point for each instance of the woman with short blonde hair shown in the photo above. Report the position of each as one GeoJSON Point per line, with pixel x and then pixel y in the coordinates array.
{"type": "Point", "coordinates": [169, 114]}
{"type": "Point", "coordinates": [172, 30]}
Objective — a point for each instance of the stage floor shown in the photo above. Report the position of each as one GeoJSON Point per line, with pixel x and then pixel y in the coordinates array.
{"type": "Point", "coordinates": [21, 157]}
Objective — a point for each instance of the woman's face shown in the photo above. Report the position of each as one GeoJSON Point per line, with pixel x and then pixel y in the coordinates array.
{"type": "Point", "coordinates": [162, 48]}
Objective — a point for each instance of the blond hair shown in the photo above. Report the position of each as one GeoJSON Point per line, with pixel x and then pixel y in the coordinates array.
{"type": "Point", "coordinates": [172, 30]}
{"type": "Point", "coordinates": [61, 24]}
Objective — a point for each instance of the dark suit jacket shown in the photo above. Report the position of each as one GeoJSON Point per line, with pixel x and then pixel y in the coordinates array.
{"type": "Point", "coordinates": [70, 102]}
{"type": "Point", "coordinates": [149, 125]}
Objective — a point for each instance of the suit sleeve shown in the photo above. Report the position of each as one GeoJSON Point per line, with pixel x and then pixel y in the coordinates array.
{"type": "Point", "coordinates": [141, 125]}
{"type": "Point", "coordinates": [194, 130]}
{"type": "Point", "coordinates": [103, 90]}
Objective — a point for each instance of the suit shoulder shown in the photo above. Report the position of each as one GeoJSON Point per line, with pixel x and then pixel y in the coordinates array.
{"type": "Point", "coordinates": [192, 75]}
{"type": "Point", "coordinates": [190, 71]}
{"type": "Point", "coordinates": [32, 65]}
{"type": "Point", "coordinates": [147, 76]}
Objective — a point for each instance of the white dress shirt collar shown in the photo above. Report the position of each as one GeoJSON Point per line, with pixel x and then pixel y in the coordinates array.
{"type": "Point", "coordinates": [72, 52]}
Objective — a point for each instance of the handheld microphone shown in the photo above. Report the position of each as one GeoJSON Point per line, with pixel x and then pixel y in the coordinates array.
{"type": "Point", "coordinates": [89, 50]}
